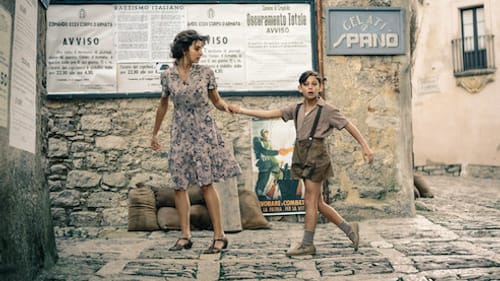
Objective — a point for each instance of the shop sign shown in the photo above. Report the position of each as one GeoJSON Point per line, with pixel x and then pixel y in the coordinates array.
{"type": "Point", "coordinates": [365, 31]}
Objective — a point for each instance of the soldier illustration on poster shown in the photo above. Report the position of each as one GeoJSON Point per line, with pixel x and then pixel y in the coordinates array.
{"type": "Point", "coordinates": [272, 147]}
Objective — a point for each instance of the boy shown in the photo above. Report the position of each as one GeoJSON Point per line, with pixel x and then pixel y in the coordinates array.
{"type": "Point", "coordinates": [314, 121]}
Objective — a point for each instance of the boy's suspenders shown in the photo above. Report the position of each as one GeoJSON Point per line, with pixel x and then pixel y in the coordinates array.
{"type": "Point", "coordinates": [316, 119]}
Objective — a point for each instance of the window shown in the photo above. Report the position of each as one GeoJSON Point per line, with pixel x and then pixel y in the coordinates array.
{"type": "Point", "coordinates": [473, 51]}
{"type": "Point", "coordinates": [473, 35]}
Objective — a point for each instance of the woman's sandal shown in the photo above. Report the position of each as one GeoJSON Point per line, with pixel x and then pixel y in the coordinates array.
{"type": "Point", "coordinates": [178, 246]}
{"type": "Point", "coordinates": [214, 250]}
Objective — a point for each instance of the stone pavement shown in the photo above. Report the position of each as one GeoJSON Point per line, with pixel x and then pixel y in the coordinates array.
{"type": "Point", "coordinates": [455, 236]}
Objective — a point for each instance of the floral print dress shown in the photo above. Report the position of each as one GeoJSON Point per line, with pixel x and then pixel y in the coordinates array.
{"type": "Point", "coordinates": [197, 152]}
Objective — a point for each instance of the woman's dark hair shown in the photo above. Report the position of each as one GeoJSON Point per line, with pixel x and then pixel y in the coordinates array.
{"type": "Point", "coordinates": [183, 40]}
{"type": "Point", "coordinates": [303, 77]}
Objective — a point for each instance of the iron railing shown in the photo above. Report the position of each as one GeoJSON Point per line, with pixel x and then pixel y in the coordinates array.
{"type": "Point", "coordinates": [473, 55]}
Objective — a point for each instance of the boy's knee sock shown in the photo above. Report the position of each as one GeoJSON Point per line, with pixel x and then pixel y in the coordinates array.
{"type": "Point", "coordinates": [345, 227]}
{"type": "Point", "coordinates": [308, 239]}
{"type": "Point", "coordinates": [349, 232]}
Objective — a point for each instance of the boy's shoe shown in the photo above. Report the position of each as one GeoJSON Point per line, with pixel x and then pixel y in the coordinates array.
{"type": "Point", "coordinates": [354, 235]}
{"type": "Point", "coordinates": [299, 250]}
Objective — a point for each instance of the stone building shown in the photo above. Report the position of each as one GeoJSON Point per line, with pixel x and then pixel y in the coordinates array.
{"type": "Point", "coordinates": [99, 148]}
{"type": "Point", "coordinates": [90, 152]}
{"type": "Point", "coordinates": [26, 233]}
{"type": "Point", "coordinates": [455, 88]}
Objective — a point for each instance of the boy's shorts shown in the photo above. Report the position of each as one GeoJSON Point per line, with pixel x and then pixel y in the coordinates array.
{"type": "Point", "coordinates": [311, 161]}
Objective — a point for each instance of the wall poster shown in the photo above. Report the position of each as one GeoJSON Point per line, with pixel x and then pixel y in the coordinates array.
{"type": "Point", "coordinates": [272, 148]}
{"type": "Point", "coordinates": [5, 37]}
{"type": "Point", "coordinates": [120, 49]}
{"type": "Point", "coordinates": [22, 127]}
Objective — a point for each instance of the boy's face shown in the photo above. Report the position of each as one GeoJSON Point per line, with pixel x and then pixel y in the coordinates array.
{"type": "Point", "coordinates": [311, 88]}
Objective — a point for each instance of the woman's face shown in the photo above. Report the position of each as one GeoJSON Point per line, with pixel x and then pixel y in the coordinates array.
{"type": "Point", "coordinates": [195, 51]}
{"type": "Point", "coordinates": [311, 88]}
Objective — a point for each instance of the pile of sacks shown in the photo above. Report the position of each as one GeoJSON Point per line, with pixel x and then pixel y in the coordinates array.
{"type": "Point", "coordinates": [154, 209]}
{"type": "Point", "coordinates": [421, 187]}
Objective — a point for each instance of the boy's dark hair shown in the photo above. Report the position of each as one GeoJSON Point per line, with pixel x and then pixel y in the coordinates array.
{"type": "Point", "coordinates": [183, 40]}
{"type": "Point", "coordinates": [303, 77]}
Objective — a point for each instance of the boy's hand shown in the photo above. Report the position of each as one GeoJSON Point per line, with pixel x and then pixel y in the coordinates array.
{"type": "Point", "coordinates": [367, 154]}
{"type": "Point", "coordinates": [234, 108]}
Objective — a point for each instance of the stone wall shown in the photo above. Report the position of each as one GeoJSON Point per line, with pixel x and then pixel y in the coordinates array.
{"type": "Point", "coordinates": [99, 148]}
{"type": "Point", "coordinates": [26, 235]}
{"type": "Point", "coordinates": [483, 171]}
{"type": "Point", "coordinates": [374, 91]}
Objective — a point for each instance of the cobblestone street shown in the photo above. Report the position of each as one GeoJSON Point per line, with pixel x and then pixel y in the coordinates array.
{"type": "Point", "coordinates": [455, 236]}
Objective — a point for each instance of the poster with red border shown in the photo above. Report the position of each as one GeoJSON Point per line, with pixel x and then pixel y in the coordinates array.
{"type": "Point", "coordinates": [272, 149]}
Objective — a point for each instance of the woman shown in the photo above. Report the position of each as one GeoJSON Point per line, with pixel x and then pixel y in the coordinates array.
{"type": "Point", "coordinates": [197, 153]}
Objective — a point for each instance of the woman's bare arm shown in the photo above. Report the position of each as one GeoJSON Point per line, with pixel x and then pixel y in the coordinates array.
{"type": "Point", "coordinates": [218, 102]}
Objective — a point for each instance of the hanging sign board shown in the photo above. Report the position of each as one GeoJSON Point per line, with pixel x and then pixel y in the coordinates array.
{"type": "Point", "coordinates": [366, 31]}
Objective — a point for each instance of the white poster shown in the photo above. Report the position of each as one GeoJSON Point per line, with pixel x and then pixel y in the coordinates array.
{"type": "Point", "coordinates": [22, 129]}
{"type": "Point", "coordinates": [252, 47]}
{"type": "Point", "coordinates": [225, 52]}
{"type": "Point", "coordinates": [143, 34]}
{"type": "Point", "coordinates": [139, 77]}
{"type": "Point", "coordinates": [5, 34]}
{"type": "Point", "coordinates": [80, 49]}
{"type": "Point", "coordinates": [278, 47]}
{"type": "Point", "coordinates": [255, 47]}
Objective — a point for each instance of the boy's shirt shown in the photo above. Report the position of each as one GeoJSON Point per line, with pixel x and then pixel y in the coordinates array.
{"type": "Point", "coordinates": [330, 118]}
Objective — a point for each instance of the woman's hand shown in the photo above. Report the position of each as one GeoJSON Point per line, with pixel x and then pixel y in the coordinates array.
{"type": "Point", "coordinates": [155, 145]}
{"type": "Point", "coordinates": [225, 107]}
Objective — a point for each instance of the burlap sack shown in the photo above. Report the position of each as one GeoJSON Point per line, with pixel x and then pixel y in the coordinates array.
{"type": "Point", "coordinates": [168, 218]}
{"type": "Point", "coordinates": [422, 186]}
{"type": "Point", "coordinates": [165, 197]}
{"type": "Point", "coordinates": [200, 219]}
{"type": "Point", "coordinates": [141, 210]}
{"type": "Point", "coordinates": [251, 214]}
{"type": "Point", "coordinates": [416, 193]}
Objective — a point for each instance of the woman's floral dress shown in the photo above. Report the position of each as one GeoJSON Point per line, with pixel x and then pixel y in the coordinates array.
{"type": "Point", "coordinates": [197, 152]}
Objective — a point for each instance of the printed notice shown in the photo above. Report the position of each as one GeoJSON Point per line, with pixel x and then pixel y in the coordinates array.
{"type": "Point", "coordinates": [428, 85]}
{"type": "Point", "coordinates": [22, 129]}
{"type": "Point", "coordinates": [122, 48]}
{"type": "Point", "coordinates": [143, 34]}
{"type": "Point", "coordinates": [255, 47]}
{"type": "Point", "coordinates": [80, 49]}
{"type": "Point", "coordinates": [278, 45]}
{"type": "Point", "coordinates": [5, 34]}
{"type": "Point", "coordinates": [139, 77]}
{"type": "Point", "coordinates": [225, 50]}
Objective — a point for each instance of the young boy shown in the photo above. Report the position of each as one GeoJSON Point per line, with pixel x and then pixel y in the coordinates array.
{"type": "Point", "coordinates": [314, 121]}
